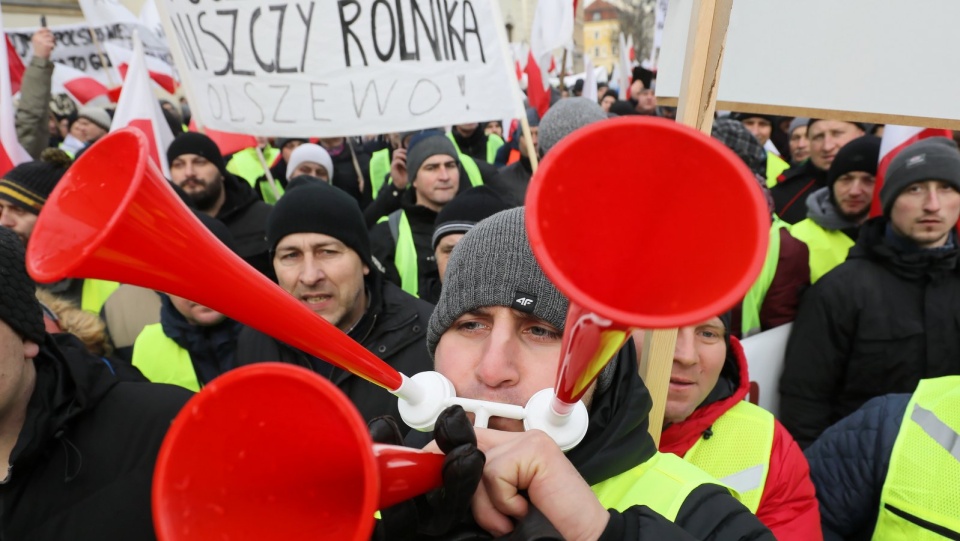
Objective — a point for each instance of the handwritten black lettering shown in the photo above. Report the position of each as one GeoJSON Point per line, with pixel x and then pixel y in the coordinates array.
{"type": "Point", "coordinates": [227, 67]}
{"type": "Point", "coordinates": [384, 56]}
{"type": "Point", "coordinates": [475, 29]}
{"type": "Point", "coordinates": [418, 109]}
{"type": "Point", "coordinates": [416, 14]}
{"type": "Point", "coordinates": [246, 90]}
{"type": "Point", "coordinates": [211, 94]}
{"type": "Point", "coordinates": [314, 100]}
{"type": "Point", "coordinates": [381, 106]}
{"type": "Point", "coordinates": [283, 10]}
{"type": "Point", "coordinates": [253, 44]}
{"type": "Point", "coordinates": [452, 32]}
{"type": "Point", "coordinates": [233, 41]}
{"type": "Point", "coordinates": [307, 21]}
{"type": "Point", "coordinates": [347, 32]}
{"type": "Point", "coordinates": [276, 111]}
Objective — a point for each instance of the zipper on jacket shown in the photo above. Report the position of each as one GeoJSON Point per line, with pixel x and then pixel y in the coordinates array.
{"type": "Point", "coordinates": [925, 524]}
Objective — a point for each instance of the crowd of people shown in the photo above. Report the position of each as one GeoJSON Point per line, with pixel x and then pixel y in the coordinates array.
{"type": "Point", "coordinates": [414, 246]}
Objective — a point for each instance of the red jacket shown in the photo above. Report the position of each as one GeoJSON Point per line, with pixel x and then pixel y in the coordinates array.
{"type": "Point", "coordinates": [789, 503]}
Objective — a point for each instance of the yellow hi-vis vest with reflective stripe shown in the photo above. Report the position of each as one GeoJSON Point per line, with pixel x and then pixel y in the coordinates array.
{"type": "Point", "coordinates": [738, 453]}
{"type": "Point", "coordinates": [161, 360]}
{"type": "Point", "coordinates": [95, 293]}
{"type": "Point", "coordinates": [828, 248]}
{"type": "Point", "coordinates": [246, 165]}
{"type": "Point", "coordinates": [405, 251]}
{"type": "Point", "coordinates": [920, 500]}
{"type": "Point", "coordinates": [661, 483]}
{"type": "Point", "coordinates": [753, 301]}
{"type": "Point", "coordinates": [379, 169]}
{"type": "Point", "coordinates": [775, 166]}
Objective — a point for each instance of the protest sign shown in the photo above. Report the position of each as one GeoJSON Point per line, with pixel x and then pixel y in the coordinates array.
{"type": "Point", "coordinates": [895, 71]}
{"type": "Point", "coordinates": [76, 46]}
{"type": "Point", "coordinates": [309, 68]}
{"type": "Point", "coordinates": [765, 353]}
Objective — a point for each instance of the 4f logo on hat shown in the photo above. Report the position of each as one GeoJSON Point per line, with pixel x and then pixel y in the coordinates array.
{"type": "Point", "coordinates": [524, 302]}
{"type": "Point", "coordinates": [917, 160]}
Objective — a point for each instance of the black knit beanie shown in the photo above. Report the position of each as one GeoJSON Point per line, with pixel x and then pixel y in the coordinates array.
{"type": "Point", "coordinates": [19, 307]}
{"type": "Point", "coordinates": [28, 185]}
{"type": "Point", "coordinates": [936, 158]}
{"type": "Point", "coordinates": [465, 210]}
{"type": "Point", "coordinates": [317, 207]}
{"type": "Point", "coordinates": [861, 154]}
{"type": "Point", "coordinates": [199, 144]}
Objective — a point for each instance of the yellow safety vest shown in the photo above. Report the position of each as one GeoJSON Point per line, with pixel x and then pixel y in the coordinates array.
{"type": "Point", "coordinates": [246, 165]}
{"type": "Point", "coordinates": [405, 251]}
{"type": "Point", "coordinates": [494, 142]}
{"type": "Point", "coordinates": [919, 500]}
{"type": "Point", "coordinates": [161, 360]}
{"type": "Point", "coordinates": [775, 166]}
{"type": "Point", "coordinates": [738, 453]}
{"type": "Point", "coordinates": [661, 483]}
{"type": "Point", "coordinates": [379, 169]}
{"type": "Point", "coordinates": [828, 248]}
{"type": "Point", "coordinates": [95, 293]}
{"type": "Point", "coordinates": [750, 320]}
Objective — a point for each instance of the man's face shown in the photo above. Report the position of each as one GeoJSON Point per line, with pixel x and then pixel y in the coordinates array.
{"type": "Point", "coordinates": [331, 143]}
{"type": "Point", "coordinates": [443, 251]}
{"type": "Point", "coordinates": [647, 102]}
{"type": "Point", "coordinates": [698, 359]}
{"type": "Point", "coordinates": [437, 181]}
{"type": "Point", "coordinates": [494, 128]}
{"type": "Point", "coordinates": [606, 102]}
{"type": "Point", "coordinates": [17, 219]}
{"type": "Point", "coordinates": [311, 168]}
{"type": "Point", "coordinates": [853, 193]}
{"type": "Point", "coordinates": [534, 134]}
{"type": "Point", "coordinates": [926, 212]}
{"type": "Point", "coordinates": [324, 274]}
{"type": "Point", "coordinates": [636, 88]}
{"type": "Point", "coordinates": [799, 144]}
{"type": "Point", "coordinates": [827, 137]}
{"type": "Point", "coordinates": [16, 371]}
{"type": "Point", "coordinates": [86, 131]}
{"type": "Point", "coordinates": [288, 149]}
{"type": "Point", "coordinates": [759, 127]}
{"type": "Point", "coordinates": [199, 177]}
{"type": "Point", "coordinates": [501, 355]}
{"type": "Point", "coordinates": [197, 315]}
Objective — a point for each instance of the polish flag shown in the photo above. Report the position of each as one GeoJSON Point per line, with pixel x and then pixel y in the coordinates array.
{"type": "Point", "coordinates": [12, 153]}
{"type": "Point", "coordinates": [895, 139]}
{"type": "Point", "coordinates": [538, 94]}
{"type": "Point", "coordinates": [139, 107]}
{"type": "Point", "coordinates": [77, 84]}
{"type": "Point", "coordinates": [631, 53]}
{"type": "Point", "coordinates": [160, 72]}
{"type": "Point", "coordinates": [228, 143]}
{"type": "Point", "coordinates": [15, 65]}
{"type": "Point", "coordinates": [552, 29]}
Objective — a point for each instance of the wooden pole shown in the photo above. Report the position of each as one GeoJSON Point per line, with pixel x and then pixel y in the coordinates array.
{"type": "Point", "coordinates": [103, 57]}
{"type": "Point", "coordinates": [528, 136]}
{"type": "Point", "coordinates": [697, 104]}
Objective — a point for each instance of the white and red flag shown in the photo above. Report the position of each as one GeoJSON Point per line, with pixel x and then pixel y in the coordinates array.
{"type": "Point", "coordinates": [160, 72]}
{"type": "Point", "coordinates": [14, 65]}
{"type": "Point", "coordinates": [624, 70]}
{"type": "Point", "coordinates": [12, 153]}
{"type": "Point", "coordinates": [139, 107]}
{"type": "Point", "coordinates": [77, 84]}
{"type": "Point", "coordinates": [895, 139]}
{"type": "Point", "coordinates": [227, 142]}
{"type": "Point", "coordinates": [552, 29]}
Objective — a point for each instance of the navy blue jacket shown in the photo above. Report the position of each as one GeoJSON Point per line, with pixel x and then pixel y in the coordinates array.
{"type": "Point", "coordinates": [849, 463]}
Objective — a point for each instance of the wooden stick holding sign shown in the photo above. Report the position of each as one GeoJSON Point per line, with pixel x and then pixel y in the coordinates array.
{"type": "Point", "coordinates": [698, 97]}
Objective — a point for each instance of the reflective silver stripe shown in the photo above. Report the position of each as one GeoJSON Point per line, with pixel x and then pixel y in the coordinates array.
{"type": "Point", "coordinates": [937, 429]}
{"type": "Point", "coordinates": [745, 480]}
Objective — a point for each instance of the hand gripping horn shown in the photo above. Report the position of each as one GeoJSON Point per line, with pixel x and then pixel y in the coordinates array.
{"type": "Point", "coordinates": [642, 223]}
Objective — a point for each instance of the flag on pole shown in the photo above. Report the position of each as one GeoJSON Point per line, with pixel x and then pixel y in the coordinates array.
{"type": "Point", "coordinates": [12, 153]}
{"type": "Point", "coordinates": [631, 53]}
{"type": "Point", "coordinates": [139, 107]}
{"type": "Point", "coordinates": [15, 65]}
{"type": "Point", "coordinates": [552, 29]}
{"type": "Point", "coordinates": [75, 83]}
{"type": "Point", "coordinates": [538, 94]}
{"type": "Point", "coordinates": [896, 138]}
{"type": "Point", "coordinates": [160, 72]}
{"type": "Point", "coordinates": [589, 79]}
{"type": "Point", "coordinates": [624, 69]}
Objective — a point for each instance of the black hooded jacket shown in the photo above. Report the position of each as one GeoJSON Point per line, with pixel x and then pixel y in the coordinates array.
{"type": "Point", "coordinates": [618, 440]}
{"type": "Point", "coordinates": [792, 189]}
{"type": "Point", "coordinates": [876, 324]}
{"type": "Point", "coordinates": [83, 464]}
{"type": "Point", "coordinates": [393, 328]}
{"type": "Point", "coordinates": [245, 215]}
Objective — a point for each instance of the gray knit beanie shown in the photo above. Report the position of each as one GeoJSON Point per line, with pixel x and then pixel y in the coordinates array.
{"type": "Point", "coordinates": [935, 158]}
{"type": "Point", "coordinates": [567, 116]}
{"type": "Point", "coordinates": [493, 265]}
{"type": "Point", "coordinates": [425, 148]}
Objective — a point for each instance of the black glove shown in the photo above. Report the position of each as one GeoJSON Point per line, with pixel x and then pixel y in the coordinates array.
{"type": "Point", "coordinates": [444, 512]}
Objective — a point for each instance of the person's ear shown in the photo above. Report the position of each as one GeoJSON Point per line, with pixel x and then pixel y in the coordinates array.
{"type": "Point", "coordinates": [30, 349]}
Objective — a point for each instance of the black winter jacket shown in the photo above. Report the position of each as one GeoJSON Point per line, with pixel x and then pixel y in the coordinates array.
{"type": "Point", "coordinates": [849, 464]}
{"type": "Point", "coordinates": [792, 189]}
{"type": "Point", "coordinates": [245, 215]}
{"type": "Point", "coordinates": [876, 324]}
{"type": "Point", "coordinates": [82, 467]}
{"type": "Point", "coordinates": [394, 328]}
{"type": "Point", "coordinates": [512, 181]}
{"type": "Point", "coordinates": [617, 440]}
